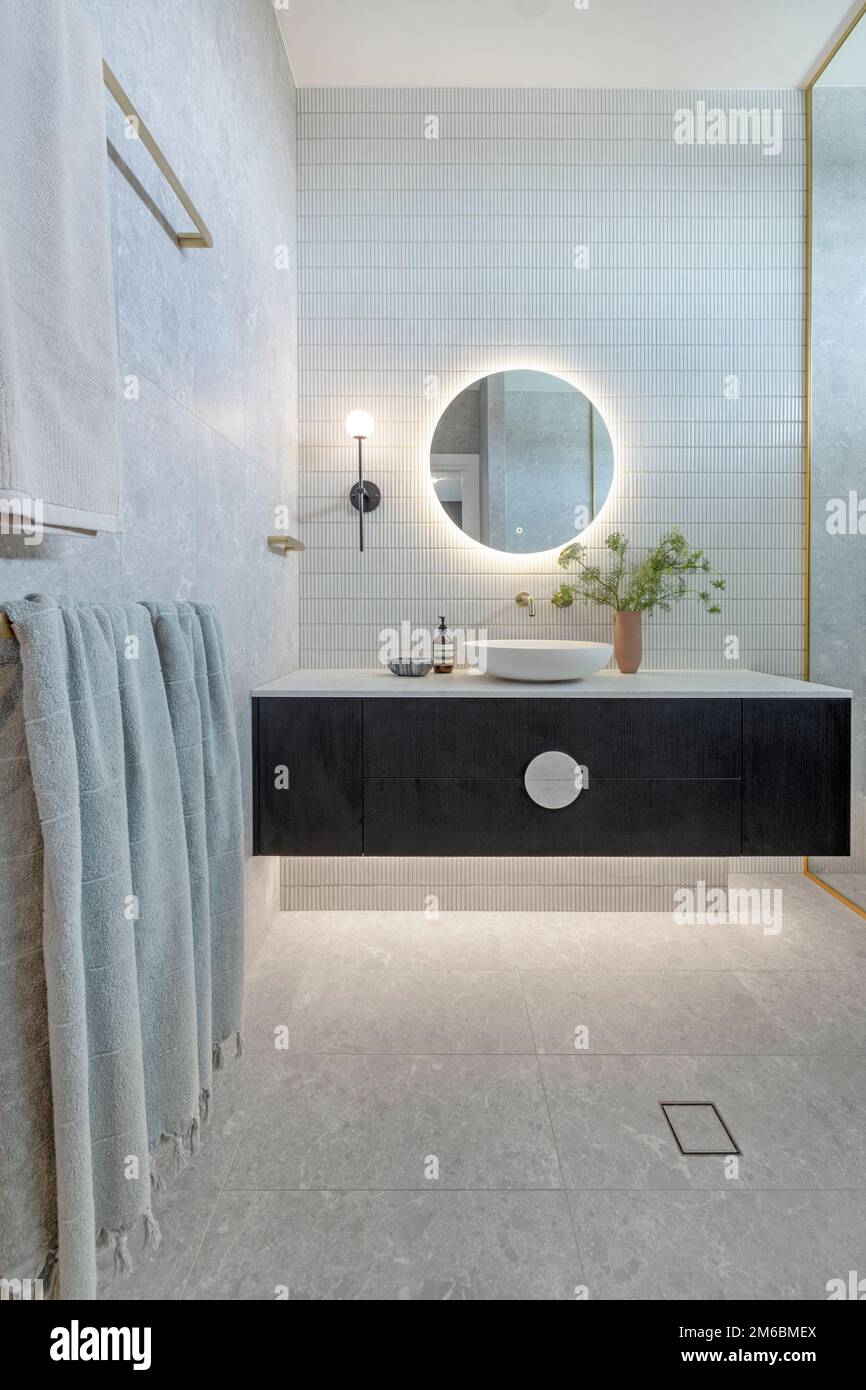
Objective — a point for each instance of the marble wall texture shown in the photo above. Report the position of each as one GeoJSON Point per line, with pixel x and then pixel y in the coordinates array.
{"type": "Point", "coordinates": [446, 234]}
{"type": "Point", "coordinates": [207, 343]}
{"type": "Point", "coordinates": [838, 463]}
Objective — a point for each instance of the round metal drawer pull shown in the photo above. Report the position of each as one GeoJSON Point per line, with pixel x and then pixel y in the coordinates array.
{"type": "Point", "coordinates": [553, 780]}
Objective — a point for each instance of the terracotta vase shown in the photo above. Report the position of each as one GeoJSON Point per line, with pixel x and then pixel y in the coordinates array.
{"type": "Point", "coordinates": [627, 642]}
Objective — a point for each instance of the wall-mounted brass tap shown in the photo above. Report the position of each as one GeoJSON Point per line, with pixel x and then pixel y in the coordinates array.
{"type": "Point", "coordinates": [525, 600]}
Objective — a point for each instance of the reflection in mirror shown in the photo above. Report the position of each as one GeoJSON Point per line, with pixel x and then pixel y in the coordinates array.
{"type": "Point", "coordinates": [521, 461]}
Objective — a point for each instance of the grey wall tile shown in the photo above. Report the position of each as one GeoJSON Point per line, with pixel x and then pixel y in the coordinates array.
{"type": "Point", "coordinates": [158, 443]}
{"type": "Point", "coordinates": [219, 343]}
{"type": "Point", "coordinates": [154, 293]}
{"type": "Point", "coordinates": [220, 539]}
{"type": "Point", "coordinates": [214, 85]}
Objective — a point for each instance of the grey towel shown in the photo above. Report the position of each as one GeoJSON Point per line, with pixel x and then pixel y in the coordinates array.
{"type": "Point", "coordinates": [124, 811]}
{"type": "Point", "coordinates": [191, 648]}
{"type": "Point", "coordinates": [28, 1211]}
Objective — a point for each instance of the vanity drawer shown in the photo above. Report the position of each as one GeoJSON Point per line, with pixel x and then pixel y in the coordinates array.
{"type": "Point", "coordinates": [451, 737]}
{"type": "Point", "coordinates": [307, 788]}
{"type": "Point", "coordinates": [796, 776]}
{"type": "Point", "coordinates": [466, 816]}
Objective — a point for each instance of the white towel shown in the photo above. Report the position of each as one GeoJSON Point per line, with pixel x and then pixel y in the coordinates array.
{"type": "Point", "coordinates": [58, 345]}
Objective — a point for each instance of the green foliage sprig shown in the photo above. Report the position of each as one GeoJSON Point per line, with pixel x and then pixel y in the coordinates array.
{"type": "Point", "coordinates": [658, 581]}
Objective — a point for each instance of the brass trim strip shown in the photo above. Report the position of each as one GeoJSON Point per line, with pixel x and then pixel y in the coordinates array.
{"type": "Point", "coordinates": [823, 64]}
{"type": "Point", "coordinates": [807, 404]}
{"type": "Point", "coordinates": [201, 237]}
{"type": "Point", "coordinates": [834, 893]}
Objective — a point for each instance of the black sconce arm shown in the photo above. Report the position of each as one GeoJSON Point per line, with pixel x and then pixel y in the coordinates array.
{"type": "Point", "coordinates": [364, 496]}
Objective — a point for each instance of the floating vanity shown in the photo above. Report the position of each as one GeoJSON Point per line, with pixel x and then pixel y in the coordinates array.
{"type": "Point", "coordinates": [663, 763]}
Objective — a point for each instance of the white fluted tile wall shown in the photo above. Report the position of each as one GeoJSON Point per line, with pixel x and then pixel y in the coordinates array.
{"type": "Point", "coordinates": [425, 263]}
{"type": "Point", "coordinates": [447, 258]}
{"type": "Point", "coordinates": [507, 884]}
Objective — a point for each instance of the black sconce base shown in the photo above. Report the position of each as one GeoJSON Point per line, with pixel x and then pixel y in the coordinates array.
{"type": "Point", "coordinates": [372, 496]}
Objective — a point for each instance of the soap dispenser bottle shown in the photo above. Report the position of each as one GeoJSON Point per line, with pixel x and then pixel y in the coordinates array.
{"type": "Point", "coordinates": [443, 650]}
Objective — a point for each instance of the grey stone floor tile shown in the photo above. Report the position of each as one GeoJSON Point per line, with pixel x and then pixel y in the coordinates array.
{"type": "Point", "coordinates": [391, 1246]}
{"type": "Point", "coordinates": [827, 935]}
{"type": "Point", "coordinates": [412, 941]}
{"type": "Point", "coordinates": [237, 1085]}
{"type": "Point", "coordinates": [182, 1215]}
{"type": "Point", "coordinates": [817, 1012]}
{"type": "Point", "coordinates": [717, 1245]}
{"type": "Point", "coordinates": [800, 1122]}
{"type": "Point", "coordinates": [231, 1105]}
{"type": "Point", "coordinates": [851, 885]}
{"type": "Point", "coordinates": [547, 941]}
{"type": "Point", "coordinates": [657, 941]}
{"type": "Point", "coordinates": [389, 1121]}
{"type": "Point", "coordinates": [409, 1040]}
{"type": "Point", "coordinates": [430, 1011]}
{"type": "Point", "coordinates": [649, 1011]}
{"type": "Point", "coordinates": [271, 990]}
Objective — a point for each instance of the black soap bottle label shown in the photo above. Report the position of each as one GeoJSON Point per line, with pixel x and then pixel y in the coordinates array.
{"type": "Point", "coordinates": [443, 650]}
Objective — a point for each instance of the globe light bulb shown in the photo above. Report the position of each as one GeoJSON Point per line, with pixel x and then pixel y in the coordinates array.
{"type": "Point", "coordinates": [359, 424]}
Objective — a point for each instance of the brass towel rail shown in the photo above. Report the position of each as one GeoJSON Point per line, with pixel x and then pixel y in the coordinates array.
{"type": "Point", "coordinates": [201, 237]}
{"type": "Point", "coordinates": [282, 543]}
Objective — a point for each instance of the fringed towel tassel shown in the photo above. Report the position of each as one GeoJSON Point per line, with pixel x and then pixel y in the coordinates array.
{"type": "Point", "coordinates": [219, 1049]}
{"type": "Point", "coordinates": [180, 1157]}
{"type": "Point", "coordinates": [194, 1135]}
{"type": "Point", "coordinates": [157, 1182]}
{"type": "Point", "coordinates": [122, 1257]}
{"type": "Point", "coordinates": [48, 1275]}
{"type": "Point", "coordinates": [152, 1234]}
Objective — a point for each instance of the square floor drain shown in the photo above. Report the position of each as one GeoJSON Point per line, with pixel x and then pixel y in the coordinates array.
{"type": "Point", "coordinates": [698, 1128]}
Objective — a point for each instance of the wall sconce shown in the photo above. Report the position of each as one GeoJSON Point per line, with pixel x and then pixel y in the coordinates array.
{"type": "Point", "coordinates": [365, 497]}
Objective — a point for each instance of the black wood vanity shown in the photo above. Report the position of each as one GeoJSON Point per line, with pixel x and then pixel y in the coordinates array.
{"type": "Point", "coordinates": [674, 764]}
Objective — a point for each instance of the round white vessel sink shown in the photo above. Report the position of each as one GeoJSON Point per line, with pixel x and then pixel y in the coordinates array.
{"type": "Point", "coordinates": [522, 659]}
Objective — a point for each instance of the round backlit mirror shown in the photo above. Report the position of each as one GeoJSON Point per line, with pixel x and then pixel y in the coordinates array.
{"type": "Point", "coordinates": [521, 461]}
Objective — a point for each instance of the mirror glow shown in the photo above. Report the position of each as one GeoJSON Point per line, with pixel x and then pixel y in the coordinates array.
{"type": "Point", "coordinates": [521, 461]}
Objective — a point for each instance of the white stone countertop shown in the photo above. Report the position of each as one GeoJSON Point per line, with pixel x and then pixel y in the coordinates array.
{"type": "Point", "coordinates": [379, 682]}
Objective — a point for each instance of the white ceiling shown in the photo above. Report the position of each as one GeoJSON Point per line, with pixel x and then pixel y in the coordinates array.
{"type": "Point", "coordinates": [554, 43]}
{"type": "Point", "coordinates": [848, 68]}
